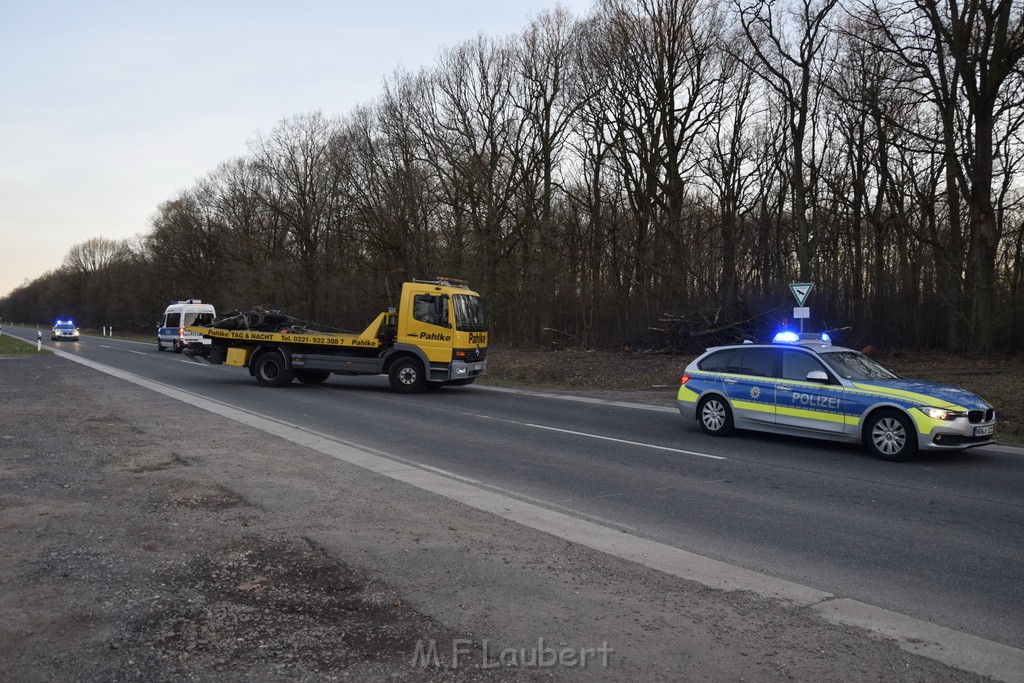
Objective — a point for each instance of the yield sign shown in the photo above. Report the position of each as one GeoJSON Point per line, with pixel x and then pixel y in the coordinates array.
{"type": "Point", "coordinates": [801, 290]}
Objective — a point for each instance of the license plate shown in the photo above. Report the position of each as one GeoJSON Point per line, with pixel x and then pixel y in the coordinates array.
{"type": "Point", "coordinates": [984, 431]}
{"type": "Point", "coordinates": [477, 367]}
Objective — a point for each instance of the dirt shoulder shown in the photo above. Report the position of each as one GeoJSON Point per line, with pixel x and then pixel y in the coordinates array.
{"type": "Point", "coordinates": [232, 555]}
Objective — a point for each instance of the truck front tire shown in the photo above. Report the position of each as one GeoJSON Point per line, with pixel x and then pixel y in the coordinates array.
{"type": "Point", "coordinates": [270, 370]}
{"type": "Point", "coordinates": [406, 376]}
{"type": "Point", "coordinates": [312, 376]}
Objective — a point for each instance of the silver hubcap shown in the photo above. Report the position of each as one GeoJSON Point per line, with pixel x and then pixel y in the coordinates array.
{"type": "Point", "coordinates": [889, 436]}
{"type": "Point", "coordinates": [713, 415]}
{"type": "Point", "coordinates": [407, 375]}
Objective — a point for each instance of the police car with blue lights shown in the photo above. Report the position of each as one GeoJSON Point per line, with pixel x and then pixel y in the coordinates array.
{"type": "Point", "coordinates": [64, 329]}
{"type": "Point", "coordinates": [802, 385]}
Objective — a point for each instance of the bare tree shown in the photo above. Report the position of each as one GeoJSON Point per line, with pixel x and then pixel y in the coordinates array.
{"type": "Point", "coordinates": [965, 54]}
{"type": "Point", "coordinates": [295, 157]}
{"type": "Point", "coordinates": [788, 41]}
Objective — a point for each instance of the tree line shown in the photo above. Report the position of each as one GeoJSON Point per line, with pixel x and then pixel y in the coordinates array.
{"type": "Point", "coordinates": [615, 178]}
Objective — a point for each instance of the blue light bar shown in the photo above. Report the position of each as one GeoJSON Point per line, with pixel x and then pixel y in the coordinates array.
{"type": "Point", "coordinates": [825, 338]}
{"type": "Point", "coordinates": [786, 337]}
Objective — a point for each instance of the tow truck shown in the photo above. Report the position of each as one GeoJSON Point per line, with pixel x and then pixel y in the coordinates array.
{"type": "Point", "coordinates": [437, 336]}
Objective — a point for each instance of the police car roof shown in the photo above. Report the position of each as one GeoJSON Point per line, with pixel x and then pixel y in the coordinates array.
{"type": "Point", "coordinates": [814, 344]}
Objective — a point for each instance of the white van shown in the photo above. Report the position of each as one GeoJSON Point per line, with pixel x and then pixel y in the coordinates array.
{"type": "Point", "coordinates": [179, 315]}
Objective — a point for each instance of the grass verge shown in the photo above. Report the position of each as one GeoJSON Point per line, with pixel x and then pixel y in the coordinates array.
{"type": "Point", "coordinates": [12, 346]}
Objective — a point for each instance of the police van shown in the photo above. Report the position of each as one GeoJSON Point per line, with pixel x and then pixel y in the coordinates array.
{"type": "Point", "coordinates": [171, 332]}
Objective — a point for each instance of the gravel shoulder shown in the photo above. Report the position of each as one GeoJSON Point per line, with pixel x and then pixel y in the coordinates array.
{"type": "Point", "coordinates": [145, 539]}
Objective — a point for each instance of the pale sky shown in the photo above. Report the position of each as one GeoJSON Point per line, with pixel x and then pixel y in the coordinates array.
{"type": "Point", "coordinates": [109, 108]}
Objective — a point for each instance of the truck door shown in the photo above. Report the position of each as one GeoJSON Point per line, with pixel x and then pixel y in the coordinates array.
{"type": "Point", "coordinates": [430, 326]}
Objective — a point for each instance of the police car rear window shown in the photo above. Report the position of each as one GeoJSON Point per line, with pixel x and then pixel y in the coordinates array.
{"type": "Point", "coordinates": [717, 362]}
{"type": "Point", "coordinates": [759, 362]}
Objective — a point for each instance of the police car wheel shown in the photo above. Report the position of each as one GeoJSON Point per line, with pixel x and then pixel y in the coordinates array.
{"type": "Point", "coordinates": [159, 346]}
{"type": "Point", "coordinates": [890, 435]}
{"type": "Point", "coordinates": [406, 376]}
{"type": "Point", "coordinates": [715, 416]}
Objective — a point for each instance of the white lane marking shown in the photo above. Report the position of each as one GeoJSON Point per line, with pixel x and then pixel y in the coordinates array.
{"type": "Point", "coordinates": [601, 437]}
{"type": "Point", "coordinates": [962, 650]}
{"type": "Point", "coordinates": [141, 353]}
{"type": "Point", "coordinates": [625, 441]}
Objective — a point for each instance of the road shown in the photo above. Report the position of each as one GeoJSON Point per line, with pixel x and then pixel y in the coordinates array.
{"type": "Point", "coordinates": [937, 539]}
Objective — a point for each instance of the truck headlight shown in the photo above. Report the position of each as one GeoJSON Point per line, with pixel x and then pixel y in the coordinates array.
{"type": "Point", "coordinates": [941, 413]}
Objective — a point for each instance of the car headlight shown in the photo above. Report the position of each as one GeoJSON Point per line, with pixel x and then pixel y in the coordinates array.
{"type": "Point", "coordinates": [941, 413]}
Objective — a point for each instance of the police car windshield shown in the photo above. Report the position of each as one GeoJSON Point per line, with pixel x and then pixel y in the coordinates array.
{"type": "Point", "coordinates": [67, 328]}
{"type": "Point", "coordinates": [855, 365]}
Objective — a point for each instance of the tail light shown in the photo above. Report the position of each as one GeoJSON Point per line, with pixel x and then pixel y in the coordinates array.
{"type": "Point", "coordinates": [181, 332]}
{"type": "Point", "coordinates": [685, 378]}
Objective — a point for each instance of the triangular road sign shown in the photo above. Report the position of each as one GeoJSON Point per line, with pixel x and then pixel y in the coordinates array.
{"type": "Point", "coordinates": [801, 290]}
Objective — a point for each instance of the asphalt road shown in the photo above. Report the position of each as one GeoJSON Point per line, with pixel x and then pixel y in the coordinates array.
{"type": "Point", "coordinates": [939, 539]}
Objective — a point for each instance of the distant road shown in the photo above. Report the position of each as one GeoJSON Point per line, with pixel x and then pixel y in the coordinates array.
{"type": "Point", "coordinates": [939, 539]}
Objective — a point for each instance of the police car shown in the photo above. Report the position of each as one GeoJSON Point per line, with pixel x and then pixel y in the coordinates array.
{"type": "Point", "coordinates": [802, 385]}
{"type": "Point", "coordinates": [64, 329]}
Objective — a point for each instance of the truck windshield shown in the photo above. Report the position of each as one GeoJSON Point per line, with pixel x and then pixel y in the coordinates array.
{"type": "Point", "coordinates": [469, 313]}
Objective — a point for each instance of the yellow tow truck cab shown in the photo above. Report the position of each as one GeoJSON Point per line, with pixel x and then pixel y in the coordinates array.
{"type": "Point", "coordinates": [437, 336]}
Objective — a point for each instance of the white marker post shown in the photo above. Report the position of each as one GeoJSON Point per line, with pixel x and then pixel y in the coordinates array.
{"type": "Point", "coordinates": [39, 340]}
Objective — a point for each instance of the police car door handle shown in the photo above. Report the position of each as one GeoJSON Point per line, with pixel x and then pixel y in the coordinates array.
{"type": "Point", "coordinates": [730, 381]}
{"type": "Point", "coordinates": [784, 388]}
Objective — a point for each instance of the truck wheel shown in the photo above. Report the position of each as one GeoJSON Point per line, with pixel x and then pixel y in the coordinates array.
{"type": "Point", "coordinates": [270, 370]}
{"type": "Point", "coordinates": [312, 376]}
{"type": "Point", "coordinates": [406, 376]}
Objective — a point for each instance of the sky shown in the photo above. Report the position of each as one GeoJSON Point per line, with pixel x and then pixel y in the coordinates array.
{"type": "Point", "coordinates": [109, 108]}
